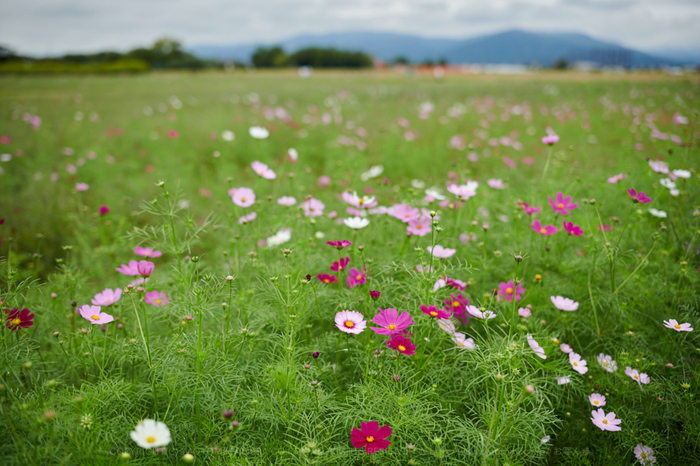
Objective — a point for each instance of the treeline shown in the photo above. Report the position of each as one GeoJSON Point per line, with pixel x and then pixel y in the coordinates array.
{"type": "Point", "coordinates": [276, 57]}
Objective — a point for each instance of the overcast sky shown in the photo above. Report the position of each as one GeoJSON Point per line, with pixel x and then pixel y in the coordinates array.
{"type": "Point", "coordinates": [58, 26]}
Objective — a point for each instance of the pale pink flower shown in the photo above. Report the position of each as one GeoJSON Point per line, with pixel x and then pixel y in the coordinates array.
{"type": "Point", "coordinates": [659, 166]}
{"type": "Point", "coordinates": [441, 252]}
{"type": "Point", "coordinates": [597, 400]}
{"type": "Point", "coordinates": [156, 298]}
{"type": "Point", "coordinates": [673, 324]}
{"type": "Point", "coordinates": [404, 212]}
{"type": "Point", "coordinates": [539, 351]}
{"type": "Point", "coordinates": [420, 226]}
{"type": "Point", "coordinates": [263, 170]}
{"type": "Point", "coordinates": [579, 365]}
{"type": "Point", "coordinates": [242, 197]}
{"type": "Point", "coordinates": [496, 183]}
{"type": "Point", "coordinates": [563, 380]}
{"type": "Point", "coordinates": [350, 322]}
{"type": "Point", "coordinates": [462, 341]}
{"type": "Point", "coordinates": [146, 252]}
{"type": "Point", "coordinates": [107, 297]}
{"type": "Point", "coordinates": [607, 363]}
{"type": "Point", "coordinates": [132, 269]}
{"type": "Point", "coordinates": [605, 422]}
{"type": "Point", "coordinates": [550, 139]}
{"type": "Point", "coordinates": [95, 315]}
{"type": "Point", "coordinates": [617, 178]}
{"type": "Point", "coordinates": [544, 230]}
{"type": "Point", "coordinates": [639, 378]}
{"type": "Point", "coordinates": [566, 348]}
{"type": "Point", "coordinates": [564, 304]}
{"type": "Point", "coordinates": [524, 312]}
{"type": "Point", "coordinates": [679, 119]}
{"type": "Point", "coordinates": [248, 218]}
{"type": "Point", "coordinates": [82, 187]}
{"type": "Point", "coordinates": [145, 268]}
{"type": "Point", "coordinates": [286, 201]}
{"type": "Point", "coordinates": [313, 207]}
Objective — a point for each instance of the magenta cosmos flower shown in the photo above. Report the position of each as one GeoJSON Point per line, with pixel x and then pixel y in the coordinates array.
{"type": "Point", "coordinates": [145, 268]}
{"type": "Point", "coordinates": [313, 207]}
{"type": "Point", "coordinates": [17, 319]}
{"type": "Point", "coordinates": [529, 209]}
{"type": "Point", "coordinates": [340, 265]}
{"type": "Point", "coordinates": [157, 298]}
{"type": "Point", "coordinates": [639, 196]}
{"type": "Point", "coordinates": [562, 204]}
{"type": "Point", "coordinates": [597, 400]}
{"type": "Point", "coordinates": [440, 252]}
{"type": "Point", "coordinates": [107, 297]}
{"type": "Point", "coordinates": [457, 305]}
{"type": "Point", "coordinates": [146, 252]}
{"type": "Point", "coordinates": [605, 422]}
{"type": "Point", "coordinates": [371, 437]}
{"type": "Point", "coordinates": [544, 230]}
{"type": "Point", "coordinates": [564, 304]}
{"type": "Point", "coordinates": [242, 197]}
{"type": "Point", "coordinates": [454, 283]}
{"type": "Point", "coordinates": [507, 290]}
{"type": "Point", "coordinates": [419, 226]}
{"type": "Point", "coordinates": [350, 322]}
{"type": "Point", "coordinates": [573, 230]}
{"type": "Point", "coordinates": [95, 315]}
{"type": "Point", "coordinates": [390, 322]}
{"type": "Point", "coordinates": [550, 139]}
{"type": "Point", "coordinates": [326, 278]}
{"type": "Point", "coordinates": [356, 277]}
{"type": "Point", "coordinates": [434, 312]}
{"type": "Point", "coordinates": [374, 294]}
{"type": "Point", "coordinates": [132, 269]}
{"type": "Point", "coordinates": [539, 351]}
{"type": "Point", "coordinates": [673, 323]}
{"type": "Point", "coordinates": [263, 170]}
{"type": "Point", "coordinates": [339, 244]}
{"type": "Point", "coordinates": [104, 210]}
{"type": "Point", "coordinates": [401, 344]}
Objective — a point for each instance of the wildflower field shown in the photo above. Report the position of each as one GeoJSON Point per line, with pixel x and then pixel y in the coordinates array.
{"type": "Point", "coordinates": [346, 269]}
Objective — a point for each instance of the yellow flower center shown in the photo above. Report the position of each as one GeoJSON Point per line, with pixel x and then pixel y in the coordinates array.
{"type": "Point", "coordinates": [461, 343]}
{"type": "Point", "coordinates": [605, 421]}
{"type": "Point", "coordinates": [95, 317]}
{"type": "Point", "coordinates": [605, 364]}
{"type": "Point", "coordinates": [643, 455]}
{"type": "Point", "coordinates": [109, 300]}
{"type": "Point", "coordinates": [596, 402]}
{"type": "Point", "coordinates": [243, 199]}
{"type": "Point", "coordinates": [359, 277]}
{"type": "Point", "coordinates": [636, 376]}
{"type": "Point", "coordinates": [556, 342]}
{"type": "Point", "coordinates": [349, 323]}
{"type": "Point", "coordinates": [325, 280]}
{"type": "Point", "coordinates": [402, 348]}
{"type": "Point", "coordinates": [16, 321]}
{"type": "Point", "coordinates": [419, 226]}
{"type": "Point", "coordinates": [543, 231]}
{"type": "Point", "coordinates": [392, 326]}
{"type": "Point", "coordinates": [370, 439]}
{"type": "Point", "coordinates": [151, 439]}
{"type": "Point", "coordinates": [676, 326]}
{"type": "Point", "coordinates": [455, 304]}
{"type": "Point", "coordinates": [157, 301]}
{"type": "Point", "coordinates": [261, 172]}
{"type": "Point", "coordinates": [362, 201]}
{"type": "Point", "coordinates": [575, 364]}
{"type": "Point", "coordinates": [509, 290]}
{"type": "Point", "coordinates": [560, 206]}
{"type": "Point", "coordinates": [433, 313]}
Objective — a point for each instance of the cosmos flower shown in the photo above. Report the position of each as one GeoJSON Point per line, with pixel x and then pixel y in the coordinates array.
{"type": "Point", "coordinates": [263, 170]}
{"type": "Point", "coordinates": [107, 297]}
{"type": "Point", "coordinates": [544, 230]}
{"type": "Point", "coordinates": [146, 252]}
{"type": "Point", "coordinates": [404, 212]}
{"type": "Point", "coordinates": [644, 454]}
{"type": "Point", "coordinates": [562, 204]}
{"type": "Point", "coordinates": [313, 207]}
{"type": "Point", "coordinates": [131, 269]}
{"type": "Point", "coordinates": [454, 283]}
{"type": "Point", "coordinates": [356, 223]}
{"type": "Point", "coordinates": [374, 294]}
{"type": "Point", "coordinates": [292, 155]}
{"type": "Point", "coordinates": [373, 172]}
{"type": "Point", "coordinates": [248, 218]}
{"type": "Point", "coordinates": [82, 187]}
{"type": "Point", "coordinates": [242, 197]}
{"type": "Point", "coordinates": [577, 363]}
{"type": "Point", "coordinates": [597, 400]}
{"type": "Point", "coordinates": [529, 209]}
{"type": "Point", "coordinates": [434, 312]}
{"type": "Point", "coordinates": [566, 348]}
{"type": "Point", "coordinates": [145, 268]}
{"type": "Point", "coordinates": [457, 305]}
{"type": "Point", "coordinates": [340, 265]}
{"type": "Point", "coordinates": [371, 437]}
{"type": "Point", "coordinates": [441, 252]}
{"type": "Point", "coordinates": [659, 166]}
{"type": "Point", "coordinates": [615, 179]}
{"type": "Point", "coordinates": [287, 201]}
{"type": "Point", "coordinates": [539, 351]}
{"type": "Point", "coordinates": [573, 230]}
{"type": "Point", "coordinates": [464, 191]}
{"type": "Point", "coordinates": [151, 434]}
{"type": "Point", "coordinates": [282, 236]}
{"type": "Point", "coordinates": [550, 139]}
{"type": "Point", "coordinates": [401, 344]}
{"type": "Point", "coordinates": [228, 135]}
{"type": "Point", "coordinates": [391, 323]}
{"type": "Point", "coordinates": [507, 290]}
{"type": "Point", "coordinates": [639, 378]}
{"type": "Point", "coordinates": [324, 181]}
{"type": "Point", "coordinates": [563, 380]}
{"type": "Point", "coordinates": [524, 312]}
{"type": "Point", "coordinates": [496, 183]}
{"type": "Point", "coordinates": [476, 312]}
{"type": "Point", "coordinates": [339, 244]}
{"type": "Point", "coordinates": [350, 322]}
{"type": "Point", "coordinates": [95, 315]}
{"type": "Point", "coordinates": [17, 319]}
{"type": "Point", "coordinates": [564, 304]}
{"type": "Point", "coordinates": [658, 213]}
{"type": "Point", "coordinates": [607, 363]}
{"type": "Point", "coordinates": [156, 298]}
{"type": "Point", "coordinates": [673, 324]}
{"type": "Point", "coordinates": [682, 173]}
{"type": "Point", "coordinates": [326, 278]}
{"type": "Point", "coordinates": [258, 132]}
{"type": "Point", "coordinates": [420, 226]}
{"type": "Point", "coordinates": [356, 277]}
{"type": "Point", "coordinates": [446, 325]}
{"type": "Point", "coordinates": [462, 341]}
{"type": "Point", "coordinates": [639, 197]}
{"type": "Point", "coordinates": [605, 422]}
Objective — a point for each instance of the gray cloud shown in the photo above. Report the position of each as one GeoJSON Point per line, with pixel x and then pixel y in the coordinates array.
{"type": "Point", "coordinates": [59, 26]}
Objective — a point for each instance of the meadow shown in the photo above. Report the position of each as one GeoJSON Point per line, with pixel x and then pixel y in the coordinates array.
{"type": "Point", "coordinates": [256, 268]}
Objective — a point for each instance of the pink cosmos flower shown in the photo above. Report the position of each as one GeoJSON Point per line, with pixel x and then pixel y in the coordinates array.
{"type": "Point", "coordinates": [104, 210]}
{"type": "Point", "coordinates": [371, 437]}
{"type": "Point", "coordinates": [457, 305]}
{"type": "Point", "coordinates": [673, 323]}
{"type": "Point", "coordinates": [616, 178]}
{"type": "Point", "coordinates": [263, 170]}
{"type": "Point", "coordinates": [356, 277]}
{"type": "Point", "coordinates": [138, 282]}
{"type": "Point", "coordinates": [420, 226]}
{"type": "Point", "coordinates": [659, 166]}
{"type": "Point", "coordinates": [146, 252]}
{"type": "Point", "coordinates": [507, 290]}
{"type": "Point", "coordinates": [173, 134]}
{"type": "Point", "coordinates": [679, 119]}
{"type": "Point", "coordinates": [441, 252]}
{"type": "Point", "coordinates": [248, 218]}
{"type": "Point", "coordinates": [604, 227]}
{"type": "Point", "coordinates": [350, 322]}
{"type": "Point", "coordinates": [605, 422]}
{"type": "Point", "coordinates": [132, 269]}
{"type": "Point", "coordinates": [539, 351]}
{"type": "Point", "coordinates": [562, 204]}
{"type": "Point", "coordinates": [286, 201]}
{"type": "Point", "coordinates": [434, 312]}
{"type": "Point", "coordinates": [550, 139]}
{"type": "Point", "coordinates": [95, 315]}
{"type": "Point", "coordinates": [454, 283]}
{"type": "Point", "coordinates": [374, 294]}
{"type": "Point", "coordinates": [446, 325]}
{"type": "Point", "coordinates": [529, 209]}
{"type": "Point", "coordinates": [82, 187]}
{"type": "Point", "coordinates": [462, 341]}
{"type": "Point", "coordinates": [145, 268]}
{"type": "Point", "coordinates": [597, 400]}
{"type": "Point", "coordinates": [324, 181]}
{"type": "Point", "coordinates": [17, 319]}
{"type": "Point", "coordinates": [242, 197]}
{"type": "Point", "coordinates": [339, 244]}
{"type": "Point", "coordinates": [544, 230]}
{"type": "Point", "coordinates": [404, 212]}
{"type": "Point", "coordinates": [564, 304]}
{"type": "Point", "coordinates": [645, 455]}
{"type": "Point", "coordinates": [464, 191]}
{"type": "Point", "coordinates": [524, 312]}
{"type": "Point", "coordinates": [496, 183]}
{"type": "Point", "coordinates": [338, 266]}
{"type": "Point", "coordinates": [107, 297]}
{"type": "Point", "coordinates": [577, 363]}
{"type": "Point", "coordinates": [326, 278]}
{"type": "Point", "coordinates": [639, 378]}
{"type": "Point", "coordinates": [313, 207]}
{"type": "Point", "coordinates": [157, 298]}
{"type": "Point", "coordinates": [607, 363]}
{"type": "Point", "coordinates": [573, 230]}
{"type": "Point", "coordinates": [401, 344]}
{"type": "Point", "coordinates": [639, 197]}
{"type": "Point", "coordinates": [391, 322]}
{"type": "Point", "coordinates": [566, 348]}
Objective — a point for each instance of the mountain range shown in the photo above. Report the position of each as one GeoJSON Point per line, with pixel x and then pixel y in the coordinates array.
{"type": "Point", "coordinates": [508, 47]}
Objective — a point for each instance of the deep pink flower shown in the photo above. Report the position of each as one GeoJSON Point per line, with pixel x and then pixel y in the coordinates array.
{"type": "Point", "coordinates": [356, 277]}
{"type": "Point", "coordinates": [562, 204]}
{"type": "Point", "coordinates": [371, 437]}
{"type": "Point", "coordinates": [639, 197]}
{"type": "Point", "coordinates": [95, 315]}
{"type": "Point", "coordinates": [529, 209]}
{"type": "Point", "coordinates": [104, 210]}
{"type": "Point", "coordinates": [339, 244]}
{"type": "Point", "coordinates": [457, 305]}
{"type": "Point", "coordinates": [16, 318]}
{"type": "Point", "coordinates": [263, 170]}
{"type": "Point", "coordinates": [454, 283]}
{"type": "Point", "coordinates": [507, 290]}
{"type": "Point", "coordinates": [145, 268]}
{"type": "Point", "coordinates": [337, 267]}
{"type": "Point", "coordinates": [401, 344]}
{"type": "Point", "coordinates": [173, 134]}
{"type": "Point", "coordinates": [132, 269]}
{"type": "Point", "coordinates": [550, 139]}
{"type": "Point", "coordinates": [157, 298]}
{"type": "Point", "coordinates": [146, 252]}
{"type": "Point", "coordinates": [242, 197]}
{"type": "Point", "coordinates": [544, 230]}
{"type": "Point", "coordinates": [326, 278]}
{"type": "Point", "coordinates": [573, 230]}
{"type": "Point", "coordinates": [374, 294]}
{"type": "Point", "coordinates": [434, 312]}
{"type": "Point", "coordinates": [391, 322]}
{"type": "Point", "coordinates": [604, 227]}
{"type": "Point", "coordinates": [313, 207]}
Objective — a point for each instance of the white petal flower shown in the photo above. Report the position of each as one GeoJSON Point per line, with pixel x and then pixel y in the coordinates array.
{"type": "Point", "coordinates": [356, 222]}
{"type": "Point", "coordinates": [151, 434]}
{"type": "Point", "coordinates": [258, 132]}
{"type": "Point", "coordinates": [657, 213]}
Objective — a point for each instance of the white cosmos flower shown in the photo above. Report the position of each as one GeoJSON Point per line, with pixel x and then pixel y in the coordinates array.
{"type": "Point", "coordinates": [151, 434]}
{"type": "Point", "coordinates": [668, 183]}
{"type": "Point", "coordinates": [418, 184]}
{"type": "Point", "coordinates": [674, 192]}
{"type": "Point", "coordinates": [258, 132]}
{"type": "Point", "coordinates": [373, 172]}
{"type": "Point", "coordinates": [282, 236]}
{"type": "Point", "coordinates": [435, 193]}
{"type": "Point", "coordinates": [657, 213]}
{"type": "Point", "coordinates": [363, 201]}
{"type": "Point", "coordinates": [227, 135]}
{"type": "Point", "coordinates": [356, 222]}
{"type": "Point", "coordinates": [682, 173]}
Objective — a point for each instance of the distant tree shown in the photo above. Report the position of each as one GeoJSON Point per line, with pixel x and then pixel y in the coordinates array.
{"type": "Point", "coordinates": [561, 64]}
{"type": "Point", "coordinates": [442, 61]}
{"type": "Point", "coordinates": [167, 54]}
{"type": "Point", "coordinates": [428, 63]}
{"type": "Point", "coordinates": [401, 60]}
{"type": "Point", "coordinates": [7, 54]}
{"type": "Point", "coordinates": [331, 58]}
{"type": "Point", "coordinates": [273, 57]}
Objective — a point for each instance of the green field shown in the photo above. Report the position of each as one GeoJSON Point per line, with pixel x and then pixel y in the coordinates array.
{"type": "Point", "coordinates": [157, 150]}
